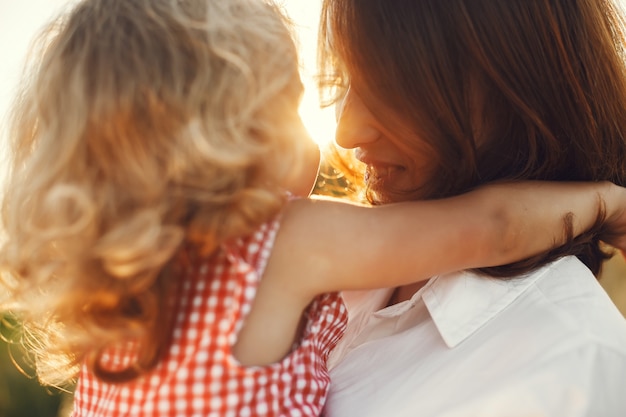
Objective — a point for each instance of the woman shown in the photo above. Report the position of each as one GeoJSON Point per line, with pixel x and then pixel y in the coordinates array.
{"type": "Point", "coordinates": [437, 98]}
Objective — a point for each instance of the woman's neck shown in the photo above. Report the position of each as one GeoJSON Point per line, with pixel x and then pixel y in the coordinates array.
{"type": "Point", "coordinates": [405, 292]}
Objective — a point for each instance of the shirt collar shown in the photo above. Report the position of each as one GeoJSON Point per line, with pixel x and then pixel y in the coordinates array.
{"type": "Point", "coordinates": [462, 302]}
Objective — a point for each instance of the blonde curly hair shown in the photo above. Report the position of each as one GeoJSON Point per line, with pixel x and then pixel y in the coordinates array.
{"type": "Point", "coordinates": [144, 126]}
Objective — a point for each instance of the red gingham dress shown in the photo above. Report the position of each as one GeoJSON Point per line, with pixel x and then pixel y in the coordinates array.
{"type": "Point", "coordinates": [199, 376]}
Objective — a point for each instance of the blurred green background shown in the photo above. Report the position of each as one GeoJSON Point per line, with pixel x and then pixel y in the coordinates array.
{"type": "Point", "coordinates": [21, 395]}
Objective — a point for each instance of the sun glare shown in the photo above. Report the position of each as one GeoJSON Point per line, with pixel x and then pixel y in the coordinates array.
{"type": "Point", "coordinates": [27, 17]}
{"type": "Point", "coordinates": [319, 122]}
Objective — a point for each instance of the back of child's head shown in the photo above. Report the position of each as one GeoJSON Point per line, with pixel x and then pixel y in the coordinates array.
{"type": "Point", "coordinates": [144, 126]}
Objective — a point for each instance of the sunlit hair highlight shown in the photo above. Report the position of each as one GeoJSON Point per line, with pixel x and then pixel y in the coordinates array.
{"type": "Point", "coordinates": [143, 126]}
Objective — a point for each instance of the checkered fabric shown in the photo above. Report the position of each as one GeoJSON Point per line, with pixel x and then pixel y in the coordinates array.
{"type": "Point", "coordinates": [199, 376]}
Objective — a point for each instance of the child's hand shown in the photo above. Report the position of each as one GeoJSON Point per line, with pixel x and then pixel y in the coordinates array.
{"type": "Point", "coordinates": [615, 225]}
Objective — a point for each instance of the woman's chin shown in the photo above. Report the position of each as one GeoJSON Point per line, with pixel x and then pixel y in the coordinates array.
{"type": "Point", "coordinates": [379, 193]}
{"type": "Point", "coordinates": [383, 191]}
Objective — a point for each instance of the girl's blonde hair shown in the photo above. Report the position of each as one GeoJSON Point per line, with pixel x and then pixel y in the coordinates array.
{"type": "Point", "coordinates": [144, 126]}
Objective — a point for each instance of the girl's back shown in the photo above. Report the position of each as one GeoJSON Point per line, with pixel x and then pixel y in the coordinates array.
{"type": "Point", "coordinates": [199, 374]}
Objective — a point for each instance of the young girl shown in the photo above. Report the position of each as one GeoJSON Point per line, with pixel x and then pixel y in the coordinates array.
{"type": "Point", "coordinates": [150, 236]}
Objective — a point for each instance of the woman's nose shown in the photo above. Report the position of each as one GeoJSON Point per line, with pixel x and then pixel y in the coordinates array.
{"type": "Point", "coordinates": [355, 123]}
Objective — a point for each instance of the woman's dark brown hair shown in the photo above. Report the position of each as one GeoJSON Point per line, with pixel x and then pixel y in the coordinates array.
{"type": "Point", "coordinates": [499, 89]}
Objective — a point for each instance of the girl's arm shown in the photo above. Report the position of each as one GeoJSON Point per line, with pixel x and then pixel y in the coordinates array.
{"type": "Point", "coordinates": [326, 245]}
{"type": "Point", "coordinates": [340, 246]}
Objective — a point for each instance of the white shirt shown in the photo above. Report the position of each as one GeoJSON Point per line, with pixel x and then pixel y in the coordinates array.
{"type": "Point", "coordinates": [548, 344]}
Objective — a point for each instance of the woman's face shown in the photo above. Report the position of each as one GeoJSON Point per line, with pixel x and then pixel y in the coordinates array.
{"type": "Point", "coordinates": [394, 170]}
